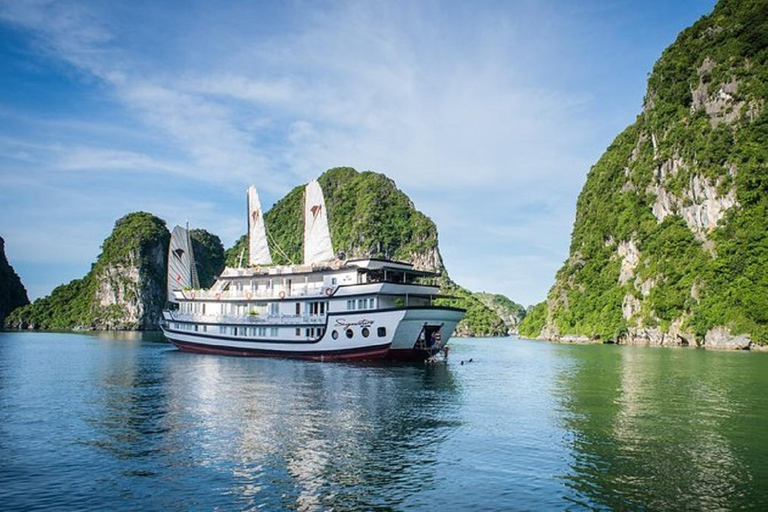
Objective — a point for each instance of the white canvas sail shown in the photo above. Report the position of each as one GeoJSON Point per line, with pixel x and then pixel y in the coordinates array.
{"type": "Point", "coordinates": [180, 263]}
{"type": "Point", "coordinates": [317, 236]}
{"type": "Point", "coordinates": [258, 250]}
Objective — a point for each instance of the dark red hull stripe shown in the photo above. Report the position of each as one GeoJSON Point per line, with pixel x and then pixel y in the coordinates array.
{"type": "Point", "coordinates": [366, 353]}
{"type": "Point", "coordinates": [170, 332]}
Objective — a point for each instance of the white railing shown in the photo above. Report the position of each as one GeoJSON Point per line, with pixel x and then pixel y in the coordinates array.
{"type": "Point", "coordinates": [260, 294]}
{"type": "Point", "coordinates": [250, 319]}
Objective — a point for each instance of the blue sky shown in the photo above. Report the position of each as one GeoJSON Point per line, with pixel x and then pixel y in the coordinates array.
{"type": "Point", "coordinates": [487, 114]}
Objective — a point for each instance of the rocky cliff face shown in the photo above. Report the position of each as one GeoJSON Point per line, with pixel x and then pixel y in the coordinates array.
{"type": "Point", "coordinates": [12, 291]}
{"type": "Point", "coordinates": [510, 312]}
{"type": "Point", "coordinates": [129, 277]}
{"type": "Point", "coordinates": [669, 245]}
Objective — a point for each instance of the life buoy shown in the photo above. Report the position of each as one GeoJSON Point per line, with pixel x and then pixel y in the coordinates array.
{"type": "Point", "coordinates": [248, 295]}
{"type": "Point", "coordinates": [282, 295]}
{"type": "Point", "coordinates": [329, 291]}
{"type": "Point", "coordinates": [218, 296]}
{"type": "Point", "coordinates": [192, 294]}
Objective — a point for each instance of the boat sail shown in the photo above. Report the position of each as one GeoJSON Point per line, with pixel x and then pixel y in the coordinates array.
{"type": "Point", "coordinates": [182, 273]}
{"type": "Point", "coordinates": [258, 249]}
{"type": "Point", "coordinates": [317, 235]}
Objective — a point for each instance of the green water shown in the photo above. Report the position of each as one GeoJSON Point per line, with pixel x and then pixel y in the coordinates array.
{"type": "Point", "coordinates": [662, 428]}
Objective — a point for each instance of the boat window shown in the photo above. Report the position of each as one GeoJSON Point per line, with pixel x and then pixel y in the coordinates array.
{"type": "Point", "coordinates": [366, 332]}
{"type": "Point", "coordinates": [335, 334]}
{"type": "Point", "coordinates": [349, 333]}
{"type": "Point", "coordinates": [298, 331]}
{"type": "Point", "coordinates": [381, 332]}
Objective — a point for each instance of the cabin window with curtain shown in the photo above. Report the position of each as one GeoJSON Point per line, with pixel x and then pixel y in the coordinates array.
{"type": "Point", "coordinates": [317, 308]}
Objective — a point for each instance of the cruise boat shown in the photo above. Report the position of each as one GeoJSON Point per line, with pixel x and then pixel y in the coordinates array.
{"type": "Point", "coordinates": [328, 308]}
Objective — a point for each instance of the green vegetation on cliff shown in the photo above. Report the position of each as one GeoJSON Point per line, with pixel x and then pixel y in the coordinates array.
{"type": "Point", "coordinates": [367, 215]}
{"type": "Point", "coordinates": [480, 320]}
{"type": "Point", "coordinates": [209, 256]}
{"type": "Point", "coordinates": [670, 232]}
{"type": "Point", "coordinates": [509, 311]}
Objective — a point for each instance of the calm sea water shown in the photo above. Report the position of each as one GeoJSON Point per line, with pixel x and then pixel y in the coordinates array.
{"type": "Point", "coordinates": [126, 422]}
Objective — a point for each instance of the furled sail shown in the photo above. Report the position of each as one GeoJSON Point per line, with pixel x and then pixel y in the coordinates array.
{"type": "Point", "coordinates": [258, 250]}
{"type": "Point", "coordinates": [317, 236]}
{"type": "Point", "coordinates": [181, 263]}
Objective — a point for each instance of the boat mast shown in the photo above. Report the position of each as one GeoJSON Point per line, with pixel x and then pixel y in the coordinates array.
{"type": "Point", "coordinates": [192, 265]}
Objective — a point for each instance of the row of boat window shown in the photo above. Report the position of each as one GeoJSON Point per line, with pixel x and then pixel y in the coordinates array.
{"type": "Point", "coordinates": [369, 303]}
{"type": "Point", "coordinates": [349, 333]}
{"type": "Point", "coordinates": [263, 332]}
{"type": "Point", "coordinates": [274, 332]}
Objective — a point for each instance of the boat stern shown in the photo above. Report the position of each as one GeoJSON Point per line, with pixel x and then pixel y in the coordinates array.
{"type": "Point", "coordinates": [424, 332]}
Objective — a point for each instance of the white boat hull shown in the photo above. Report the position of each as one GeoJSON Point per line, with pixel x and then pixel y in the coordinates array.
{"type": "Point", "coordinates": [364, 335]}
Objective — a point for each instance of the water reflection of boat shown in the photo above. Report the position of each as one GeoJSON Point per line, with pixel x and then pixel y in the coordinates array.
{"type": "Point", "coordinates": [301, 436]}
{"type": "Point", "coordinates": [328, 308]}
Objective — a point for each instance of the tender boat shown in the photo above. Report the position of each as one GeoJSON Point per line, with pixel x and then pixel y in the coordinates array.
{"type": "Point", "coordinates": [328, 308]}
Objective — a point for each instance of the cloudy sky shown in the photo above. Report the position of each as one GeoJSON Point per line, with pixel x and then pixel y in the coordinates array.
{"type": "Point", "coordinates": [488, 114]}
